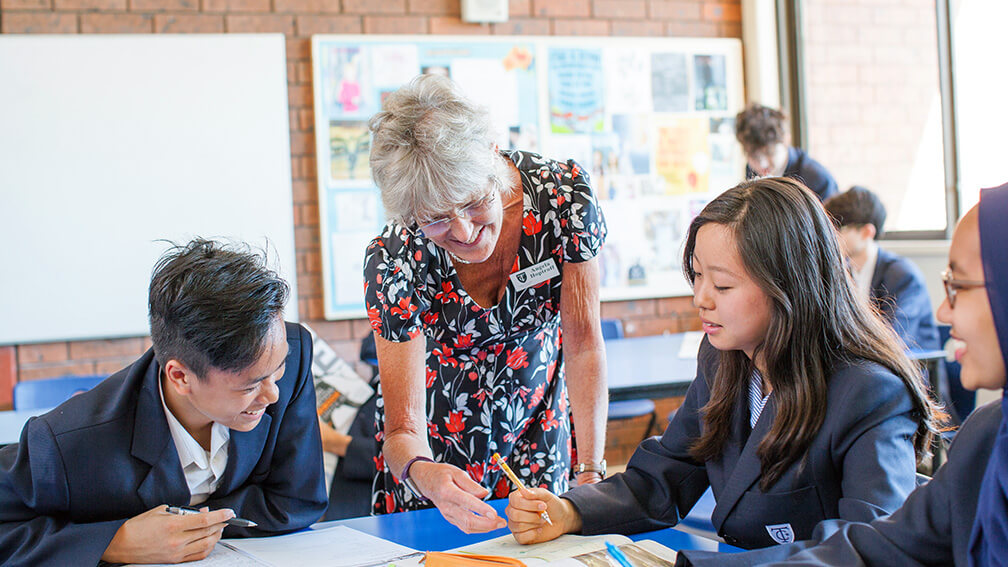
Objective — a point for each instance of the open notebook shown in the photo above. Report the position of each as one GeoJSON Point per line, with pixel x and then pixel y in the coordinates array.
{"type": "Point", "coordinates": [576, 551]}
{"type": "Point", "coordinates": [340, 546]}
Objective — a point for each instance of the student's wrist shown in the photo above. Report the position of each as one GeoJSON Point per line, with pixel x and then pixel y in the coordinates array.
{"type": "Point", "coordinates": [572, 518]}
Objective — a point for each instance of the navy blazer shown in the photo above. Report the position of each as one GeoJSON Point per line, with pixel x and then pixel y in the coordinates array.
{"type": "Point", "coordinates": [83, 469]}
{"type": "Point", "coordinates": [860, 465]}
{"type": "Point", "coordinates": [898, 288]}
{"type": "Point", "coordinates": [807, 170]}
{"type": "Point", "coordinates": [932, 528]}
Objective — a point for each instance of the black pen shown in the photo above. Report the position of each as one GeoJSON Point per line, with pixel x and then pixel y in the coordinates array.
{"type": "Point", "coordinates": [186, 510]}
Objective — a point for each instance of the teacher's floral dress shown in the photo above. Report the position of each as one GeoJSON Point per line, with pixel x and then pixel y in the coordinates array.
{"type": "Point", "coordinates": [494, 377]}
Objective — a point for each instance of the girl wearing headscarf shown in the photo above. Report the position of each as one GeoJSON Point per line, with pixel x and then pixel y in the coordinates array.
{"type": "Point", "coordinates": [989, 542]}
{"type": "Point", "coordinates": [959, 517]}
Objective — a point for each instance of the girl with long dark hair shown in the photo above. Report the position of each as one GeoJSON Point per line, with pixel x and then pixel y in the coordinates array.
{"type": "Point", "coordinates": [805, 406]}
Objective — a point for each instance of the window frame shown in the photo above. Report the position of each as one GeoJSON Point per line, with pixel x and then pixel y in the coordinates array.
{"type": "Point", "coordinates": [795, 102]}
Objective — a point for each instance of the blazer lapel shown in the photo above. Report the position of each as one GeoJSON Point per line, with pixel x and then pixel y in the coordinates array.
{"type": "Point", "coordinates": [746, 470]}
{"type": "Point", "coordinates": [244, 450]}
{"type": "Point", "coordinates": [152, 443]}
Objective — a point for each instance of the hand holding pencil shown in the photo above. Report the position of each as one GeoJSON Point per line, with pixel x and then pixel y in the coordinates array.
{"type": "Point", "coordinates": [517, 482]}
{"type": "Point", "coordinates": [536, 514]}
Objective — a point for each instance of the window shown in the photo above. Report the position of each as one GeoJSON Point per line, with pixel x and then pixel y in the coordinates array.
{"type": "Point", "coordinates": [980, 82]}
{"type": "Point", "coordinates": [872, 100]}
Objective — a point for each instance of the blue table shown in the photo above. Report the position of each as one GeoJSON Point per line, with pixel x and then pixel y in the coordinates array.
{"type": "Point", "coordinates": [648, 367]}
{"type": "Point", "coordinates": [12, 422]}
{"type": "Point", "coordinates": [427, 530]}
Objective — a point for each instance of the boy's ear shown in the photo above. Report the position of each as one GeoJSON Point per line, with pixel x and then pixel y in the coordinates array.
{"type": "Point", "coordinates": [178, 376]}
{"type": "Point", "coordinates": [868, 231]}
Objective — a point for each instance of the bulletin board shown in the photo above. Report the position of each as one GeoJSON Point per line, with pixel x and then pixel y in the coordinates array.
{"type": "Point", "coordinates": [651, 120]}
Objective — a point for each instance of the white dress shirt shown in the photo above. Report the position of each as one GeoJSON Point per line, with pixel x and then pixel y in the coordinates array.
{"type": "Point", "coordinates": [203, 469]}
{"type": "Point", "coordinates": [863, 277]}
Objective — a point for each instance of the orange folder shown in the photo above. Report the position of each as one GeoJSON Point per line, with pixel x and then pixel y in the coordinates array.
{"type": "Point", "coordinates": [442, 559]}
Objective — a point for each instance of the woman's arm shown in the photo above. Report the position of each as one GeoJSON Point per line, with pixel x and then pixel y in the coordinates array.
{"type": "Point", "coordinates": [458, 497]}
{"type": "Point", "coordinates": [584, 359]}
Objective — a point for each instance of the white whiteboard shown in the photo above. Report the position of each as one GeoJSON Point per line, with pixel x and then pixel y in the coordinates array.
{"type": "Point", "coordinates": [109, 143]}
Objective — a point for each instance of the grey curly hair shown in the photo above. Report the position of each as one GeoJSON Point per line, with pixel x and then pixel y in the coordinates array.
{"type": "Point", "coordinates": [432, 151]}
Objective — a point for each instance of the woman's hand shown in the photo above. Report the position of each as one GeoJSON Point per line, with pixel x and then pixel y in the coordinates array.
{"type": "Point", "coordinates": [525, 520]}
{"type": "Point", "coordinates": [457, 496]}
{"type": "Point", "coordinates": [588, 477]}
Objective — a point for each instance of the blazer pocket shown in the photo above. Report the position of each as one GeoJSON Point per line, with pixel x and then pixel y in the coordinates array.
{"type": "Point", "coordinates": [763, 519]}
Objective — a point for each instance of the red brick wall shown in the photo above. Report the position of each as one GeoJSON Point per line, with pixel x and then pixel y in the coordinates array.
{"type": "Point", "coordinates": [298, 20]}
{"type": "Point", "coordinates": [871, 83]}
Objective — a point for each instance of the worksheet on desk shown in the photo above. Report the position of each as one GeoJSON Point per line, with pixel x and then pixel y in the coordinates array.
{"type": "Point", "coordinates": [576, 551]}
{"type": "Point", "coordinates": [338, 546]}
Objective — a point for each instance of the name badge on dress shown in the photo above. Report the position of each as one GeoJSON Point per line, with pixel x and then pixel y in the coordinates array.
{"type": "Point", "coordinates": [535, 274]}
{"type": "Point", "coordinates": [781, 533]}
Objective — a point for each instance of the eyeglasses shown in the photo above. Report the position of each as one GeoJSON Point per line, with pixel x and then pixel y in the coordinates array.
{"type": "Point", "coordinates": [952, 286]}
{"type": "Point", "coordinates": [475, 209]}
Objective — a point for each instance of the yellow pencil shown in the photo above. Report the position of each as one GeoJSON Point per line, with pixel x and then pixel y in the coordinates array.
{"type": "Point", "coordinates": [517, 482]}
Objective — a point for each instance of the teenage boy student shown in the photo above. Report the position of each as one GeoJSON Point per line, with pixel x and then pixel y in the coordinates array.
{"type": "Point", "coordinates": [219, 415]}
{"type": "Point", "coordinates": [892, 282]}
{"type": "Point", "coordinates": [761, 131]}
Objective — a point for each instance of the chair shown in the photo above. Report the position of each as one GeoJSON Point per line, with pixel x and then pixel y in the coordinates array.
{"type": "Point", "coordinates": [369, 353]}
{"type": "Point", "coordinates": [51, 392]}
{"type": "Point", "coordinates": [627, 409]}
{"type": "Point", "coordinates": [612, 329]}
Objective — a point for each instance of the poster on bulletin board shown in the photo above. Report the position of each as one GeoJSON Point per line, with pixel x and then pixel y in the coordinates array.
{"type": "Point", "coordinates": [651, 120]}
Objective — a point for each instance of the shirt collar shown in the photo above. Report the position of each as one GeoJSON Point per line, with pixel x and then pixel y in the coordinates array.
{"type": "Point", "coordinates": [757, 401]}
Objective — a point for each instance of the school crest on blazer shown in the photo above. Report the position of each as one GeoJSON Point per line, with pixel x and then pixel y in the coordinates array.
{"type": "Point", "coordinates": [781, 533]}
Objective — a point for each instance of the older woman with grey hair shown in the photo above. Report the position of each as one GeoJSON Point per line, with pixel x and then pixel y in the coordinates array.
{"type": "Point", "coordinates": [463, 291]}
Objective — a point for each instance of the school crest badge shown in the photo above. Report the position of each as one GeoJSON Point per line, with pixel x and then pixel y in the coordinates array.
{"type": "Point", "coordinates": [781, 533]}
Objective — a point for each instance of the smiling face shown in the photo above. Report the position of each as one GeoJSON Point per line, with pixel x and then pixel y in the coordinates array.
{"type": "Point", "coordinates": [236, 400]}
{"type": "Point", "coordinates": [735, 311]}
{"type": "Point", "coordinates": [473, 230]}
{"type": "Point", "coordinates": [971, 319]}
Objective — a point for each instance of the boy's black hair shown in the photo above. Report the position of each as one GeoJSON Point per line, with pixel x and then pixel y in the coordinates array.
{"type": "Point", "coordinates": [857, 206]}
{"type": "Point", "coordinates": [211, 305]}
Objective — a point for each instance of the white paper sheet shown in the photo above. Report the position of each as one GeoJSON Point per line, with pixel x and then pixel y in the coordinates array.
{"type": "Point", "coordinates": [221, 556]}
{"type": "Point", "coordinates": [338, 546]}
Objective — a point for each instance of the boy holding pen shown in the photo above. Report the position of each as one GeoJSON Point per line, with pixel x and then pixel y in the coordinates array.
{"type": "Point", "coordinates": [219, 415]}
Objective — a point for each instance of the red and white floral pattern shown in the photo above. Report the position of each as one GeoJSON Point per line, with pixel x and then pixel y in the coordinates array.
{"type": "Point", "coordinates": [494, 377]}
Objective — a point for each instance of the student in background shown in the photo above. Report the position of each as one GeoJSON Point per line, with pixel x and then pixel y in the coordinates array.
{"type": "Point", "coordinates": [760, 130]}
{"type": "Point", "coordinates": [219, 414]}
{"type": "Point", "coordinates": [892, 282]}
{"type": "Point", "coordinates": [958, 518]}
{"type": "Point", "coordinates": [805, 406]}
{"type": "Point", "coordinates": [350, 491]}
{"type": "Point", "coordinates": [357, 449]}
